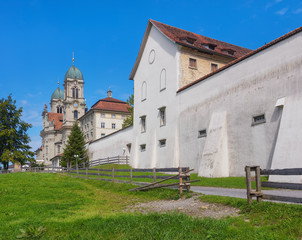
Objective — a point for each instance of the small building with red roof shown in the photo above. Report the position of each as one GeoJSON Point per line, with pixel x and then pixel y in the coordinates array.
{"type": "Point", "coordinates": [105, 117]}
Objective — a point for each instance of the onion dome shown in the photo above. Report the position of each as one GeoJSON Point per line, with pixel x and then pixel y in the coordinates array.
{"type": "Point", "coordinates": [73, 73]}
{"type": "Point", "coordinates": [58, 94]}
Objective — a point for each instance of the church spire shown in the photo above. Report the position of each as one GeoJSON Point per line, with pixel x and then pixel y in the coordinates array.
{"type": "Point", "coordinates": [109, 93]}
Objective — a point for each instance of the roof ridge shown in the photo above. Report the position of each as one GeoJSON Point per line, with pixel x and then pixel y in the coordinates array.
{"type": "Point", "coordinates": [273, 42]}
{"type": "Point", "coordinates": [197, 34]}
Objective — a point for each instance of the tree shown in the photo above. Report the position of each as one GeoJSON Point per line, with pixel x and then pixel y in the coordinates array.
{"type": "Point", "coordinates": [75, 146]}
{"type": "Point", "coordinates": [128, 121]}
{"type": "Point", "coordinates": [13, 134]}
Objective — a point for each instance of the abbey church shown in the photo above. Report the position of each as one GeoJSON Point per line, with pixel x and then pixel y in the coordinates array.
{"type": "Point", "coordinates": [69, 106]}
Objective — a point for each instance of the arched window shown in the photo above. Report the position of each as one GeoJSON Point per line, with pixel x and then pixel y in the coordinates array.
{"type": "Point", "coordinates": [59, 109]}
{"type": "Point", "coordinates": [144, 91]}
{"type": "Point", "coordinates": [75, 114]}
{"type": "Point", "coordinates": [75, 93]}
{"type": "Point", "coordinates": [163, 79]}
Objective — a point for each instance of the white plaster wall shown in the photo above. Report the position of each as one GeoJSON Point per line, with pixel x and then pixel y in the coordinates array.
{"type": "Point", "coordinates": [249, 88]}
{"type": "Point", "coordinates": [166, 57]}
{"type": "Point", "coordinates": [112, 145]}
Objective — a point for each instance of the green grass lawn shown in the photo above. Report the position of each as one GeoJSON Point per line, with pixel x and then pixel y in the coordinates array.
{"type": "Point", "coordinates": [53, 206]}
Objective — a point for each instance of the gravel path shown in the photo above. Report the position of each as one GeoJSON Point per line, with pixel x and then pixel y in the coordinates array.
{"type": "Point", "coordinates": [191, 206]}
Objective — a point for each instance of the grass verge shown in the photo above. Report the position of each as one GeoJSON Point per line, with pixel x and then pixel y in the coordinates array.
{"type": "Point", "coordinates": [52, 206]}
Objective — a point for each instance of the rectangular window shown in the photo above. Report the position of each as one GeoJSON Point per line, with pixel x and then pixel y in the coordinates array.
{"type": "Point", "coordinates": [214, 67]}
{"type": "Point", "coordinates": [258, 119]}
{"type": "Point", "coordinates": [143, 147]}
{"type": "Point", "coordinates": [73, 93]}
{"type": "Point", "coordinates": [113, 115]}
{"type": "Point", "coordinates": [143, 124]}
{"type": "Point", "coordinates": [123, 116]}
{"type": "Point", "coordinates": [77, 93]}
{"type": "Point", "coordinates": [162, 116]}
{"type": "Point", "coordinates": [102, 125]}
{"type": "Point", "coordinates": [102, 134]}
{"type": "Point", "coordinates": [202, 133]}
{"type": "Point", "coordinates": [192, 63]}
{"type": "Point", "coordinates": [162, 142]}
{"type": "Point", "coordinates": [102, 115]}
{"type": "Point", "coordinates": [113, 125]}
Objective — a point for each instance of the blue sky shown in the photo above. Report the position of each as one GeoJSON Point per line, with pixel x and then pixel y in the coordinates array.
{"type": "Point", "coordinates": [37, 39]}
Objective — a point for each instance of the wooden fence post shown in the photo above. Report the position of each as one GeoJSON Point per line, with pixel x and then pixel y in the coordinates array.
{"type": "Point", "coordinates": [188, 185]}
{"type": "Point", "coordinates": [180, 181]}
{"type": "Point", "coordinates": [112, 174]}
{"type": "Point", "coordinates": [258, 183]}
{"type": "Point", "coordinates": [154, 174]}
{"type": "Point", "coordinates": [99, 169]}
{"type": "Point", "coordinates": [248, 184]}
{"type": "Point", "coordinates": [131, 175]}
{"type": "Point", "coordinates": [126, 160]}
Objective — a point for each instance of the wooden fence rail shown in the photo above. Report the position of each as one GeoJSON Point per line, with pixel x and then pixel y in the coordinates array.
{"type": "Point", "coordinates": [260, 195]}
{"type": "Point", "coordinates": [114, 175]}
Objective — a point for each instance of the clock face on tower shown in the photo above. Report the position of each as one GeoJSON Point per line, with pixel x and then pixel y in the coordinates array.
{"type": "Point", "coordinates": [75, 104]}
{"type": "Point", "coordinates": [75, 82]}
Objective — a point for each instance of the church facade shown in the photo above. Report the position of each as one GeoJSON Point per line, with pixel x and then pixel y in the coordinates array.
{"type": "Point", "coordinates": [68, 106]}
{"type": "Point", "coordinates": [65, 108]}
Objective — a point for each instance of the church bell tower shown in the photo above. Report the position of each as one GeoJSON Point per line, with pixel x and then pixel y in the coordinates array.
{"type": "Point", "coordinates": [74, 102]}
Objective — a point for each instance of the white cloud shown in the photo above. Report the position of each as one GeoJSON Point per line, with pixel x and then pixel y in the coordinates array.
{"type": "Point", "coordinates": [299, 10]}
{"type": "Point", "coordinates": [272, 3]}
{"type": "Point", "coordinates": [282, 11]}
{"type": "Point", "coordinates": [24, 102]}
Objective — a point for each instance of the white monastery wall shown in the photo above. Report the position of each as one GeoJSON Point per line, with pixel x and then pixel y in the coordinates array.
{"type": "Point", "coordinates": [250, 88]}
{"type": "Point", "coordinates": [111, 145]}
{"type": "Point", "coordinates": [157, 67]}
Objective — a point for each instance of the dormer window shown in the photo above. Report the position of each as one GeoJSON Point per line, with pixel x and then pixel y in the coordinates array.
{"type": "Point", "coordinates": [210, 46]}
{"type": "Point", "coordinates": [229, 51]}
{"type": "Point", "coordinates": [188, 40]}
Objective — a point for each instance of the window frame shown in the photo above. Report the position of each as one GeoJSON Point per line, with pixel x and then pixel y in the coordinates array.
{"type": "Point", "coordinates": [202, 133]}
{"type": "Point", "coordinates": [214, 65]}
{"type": "Point", "coordinates": [256, 121]}
{"type": "Point", "coordinates": [143, 123]}
{"type": "Point", "coordinates": [162, 142]}
{"type": "Point", "coordinates": [162, 116]}
{"type": "Point", "coordinates": [143, 147]}
{"type": "Point", "coordinates": [193, 60]}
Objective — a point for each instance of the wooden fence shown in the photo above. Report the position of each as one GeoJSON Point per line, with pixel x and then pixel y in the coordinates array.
{"type": "Point", "coordinates": [115, 175]}
{"type": "Point", "coordinates": [267, 172]}
{"type": "Point", "coordinates": [109, 160]}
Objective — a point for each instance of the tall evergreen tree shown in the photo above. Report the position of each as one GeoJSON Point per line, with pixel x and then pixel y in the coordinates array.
{"type": "Point", "coordinates": [13, 137]}
{"type": "Point", "coordinates": [128, 121]}
{"type": "Point", "coordinates": [75, 146]}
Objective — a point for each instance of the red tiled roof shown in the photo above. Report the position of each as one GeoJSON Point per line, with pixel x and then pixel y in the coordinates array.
{"type": "Point", "coordinates": [111, 104]}
{"type": "Point", "coordinates": [200, 42]}
{"type": "Point", "coordinates": [191, 40]}
{"type": "Point", "coordinates": [57, 118]}
{"type": "Point", "coordinates": [243, 57]}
